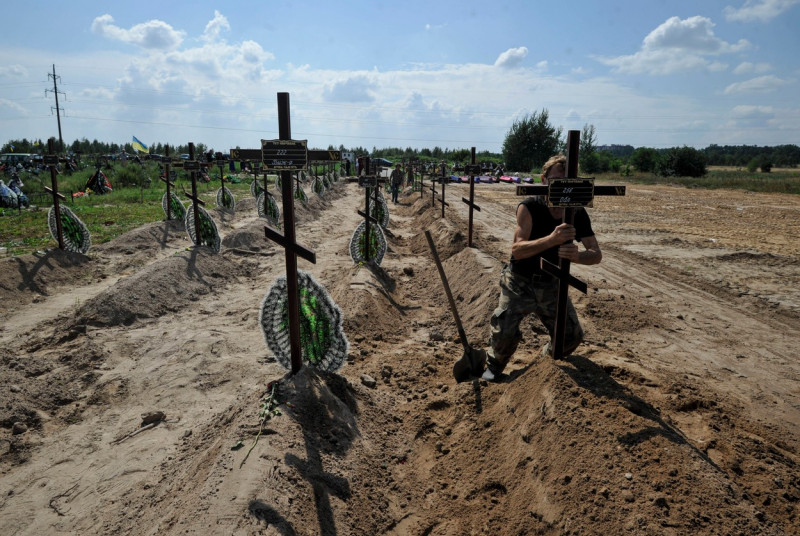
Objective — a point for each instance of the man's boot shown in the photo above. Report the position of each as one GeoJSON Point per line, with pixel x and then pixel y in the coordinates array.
{"type": "Point", "coordinates": [494, 370]}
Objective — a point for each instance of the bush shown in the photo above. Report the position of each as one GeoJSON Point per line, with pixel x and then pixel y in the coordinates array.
{"type": "Point", "coordinates": [681, 162]}
{"type": "Point", "coordinates": [132, 175]}
{"type": "Point", "coordinates": [759, 162]}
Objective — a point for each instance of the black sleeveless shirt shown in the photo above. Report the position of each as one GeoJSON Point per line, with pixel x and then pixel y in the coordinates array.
{"type": "Point", "coordinates": [543, 225]}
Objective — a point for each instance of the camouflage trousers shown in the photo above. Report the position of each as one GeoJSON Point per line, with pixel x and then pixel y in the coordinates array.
{"type": "Point", "coordinates": [519, 297]}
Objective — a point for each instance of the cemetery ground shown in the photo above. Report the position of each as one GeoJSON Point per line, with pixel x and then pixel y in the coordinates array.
{"type": "Point", "coordinates": [134, 380]}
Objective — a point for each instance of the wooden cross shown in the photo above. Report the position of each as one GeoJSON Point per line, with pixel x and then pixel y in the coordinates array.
{"type": "Point", "coordinates": [253, 156]}
{"type": "Point", "coordinates": [570, 192]}
{"type": "Point", "coordinates": [471, 170]}
{"type": "Point", "coordinates": [192, 166]}
{"type": "Point", "coordinates": [421, 183]}
{"type": "Point", "coordinates": [287, 240]}
{"type": "Point", "coordinates": [51, 161]}
{"type": "Point", "coordinates": [166, 179]}
{"type": "Point", "coordinates": [221, 163]}
{"type": "Point", "coordinates": [444, 180]}
{"type": "Point", "coordinates": [370, 184]}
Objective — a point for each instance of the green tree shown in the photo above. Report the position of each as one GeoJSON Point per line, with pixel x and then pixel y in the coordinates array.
{"type": "Point", "coordinates": [530, 141]}
{"type": "Point", "coordinates": [587, 157]}
{"type": "Point", "coordinates": [644, 159]}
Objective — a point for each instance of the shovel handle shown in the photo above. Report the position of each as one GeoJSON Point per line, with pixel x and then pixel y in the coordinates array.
{"type": "Point", "coordinates": [461, 333]}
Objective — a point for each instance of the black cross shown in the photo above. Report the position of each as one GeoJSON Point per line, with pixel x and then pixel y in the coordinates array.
{"type": "Point", "coordinates": [370, 184]}
{"type": "Point", "coordinates": [51, 160]}
{"type": "Point", "coordinates": [254, 157]}
{"type": "Point", "coordinates": [443, 180]}
{"type": "Point", "coordinates": [288, 242]}
{"type": "Point", "coordinates": [165, 178]}
{"type": "Point", "coordinates": [192, 166]}
{"type": "Point", "coordinates": [422, 182]}
{"type": "Point", "coordinates": [560, 194]}
{"type": "Point", "coordinates": [221, 163]}
{"type": "Point", "coordinates": [471, 170]}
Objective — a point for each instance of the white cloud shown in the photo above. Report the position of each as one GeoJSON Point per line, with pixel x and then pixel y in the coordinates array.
{"type": "Point", "coordinates": [13, 71]}
{"type": "Point", "coordinates": [6, 104]}
{"type": "Point", "coordinates": [751, 117]}
{"type": "Point", "coordinates": [215, 26]}
{"type": "Point", "coordinates": [747, 67]}
{"type": "Point", "coordinates": [152, 35]}
{"type": "Point", "coordinates": [744, 111]}
{"type": "Point", "coordinates": [758, 10]}
{"type": "Point", "coordinates": [677, 45]}
{"type": "Point", "coordinates": [762, 84]}
{"type": "Point", "coordinates": [511, 58]}
{"type": "Point", "coordinates": [353, 89]}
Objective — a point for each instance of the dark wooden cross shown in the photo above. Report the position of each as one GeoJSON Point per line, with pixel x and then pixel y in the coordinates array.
{"type": "Point", "coordinates": [443, 178]}
{"type": "Point", "coordinates": [570, 193]}
{"type": "Point", "coordinates": [433, 188]}
{"type": "Point", "coordinates": [253, 156]}
{"type": "Point", "coordinates": [471, 170]}
{"type": "Point", "coordinates": [193, 166]}
{"type": "Point", "coordinates": [51, 161]}
{"type": "Point", "coordinates": [166, 179]}
{"type": "Point", "coordinates": [327, 158]}
{"type": "Point", "coordinates": [421, 183]}
{"type": "Point", "coordinates": [221, 163]}
{"type": "Point", "coordinates": [370, 183]}
{"type": "Point", "coordinates": [286, 155]}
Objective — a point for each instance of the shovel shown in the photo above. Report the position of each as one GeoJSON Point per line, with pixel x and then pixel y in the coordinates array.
{"type": "Point", "coordinates": [472, 362]}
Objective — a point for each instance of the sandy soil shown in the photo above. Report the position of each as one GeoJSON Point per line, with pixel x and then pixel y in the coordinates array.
{"type": "Point", "coordinates": [679, 415]}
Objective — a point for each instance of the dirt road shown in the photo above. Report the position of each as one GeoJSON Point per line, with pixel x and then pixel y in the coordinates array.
{"type": "Point", "coordinates": [679, 415]}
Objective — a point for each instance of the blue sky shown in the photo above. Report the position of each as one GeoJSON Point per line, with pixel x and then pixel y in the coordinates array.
{"type": "Point", "coordinates": [453, 74]}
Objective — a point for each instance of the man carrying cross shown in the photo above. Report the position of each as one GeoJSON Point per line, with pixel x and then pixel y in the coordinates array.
{"type": "Point", "coordinates": [524, 287]}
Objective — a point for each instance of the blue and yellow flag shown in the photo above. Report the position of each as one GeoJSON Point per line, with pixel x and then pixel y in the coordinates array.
{"type": "Point", "coordinates": [139, 146]}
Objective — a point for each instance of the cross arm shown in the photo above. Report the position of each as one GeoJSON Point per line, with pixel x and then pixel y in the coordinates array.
{"type": "Point", "coordinates": [56, 193]}
{"type": "Point", "coordinates": [470, 203]}
{"type": "Point", "coordinates": [298, 249]}
{"type": "Point", "coordinates": [558, 273]}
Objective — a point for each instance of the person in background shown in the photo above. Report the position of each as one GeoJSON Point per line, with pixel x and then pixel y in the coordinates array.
{"type": "Point", "coordinates": [396, 181]}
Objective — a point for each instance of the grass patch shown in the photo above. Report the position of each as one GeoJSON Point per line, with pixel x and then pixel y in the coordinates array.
{"type": "Point", "coordinates": [783, 181]}
{"type": "Point", "coordinates": [135, 201]}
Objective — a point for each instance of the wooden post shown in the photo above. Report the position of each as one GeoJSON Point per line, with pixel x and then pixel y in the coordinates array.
{"type": "Point", "coordinates": [52, 162]}
{"type": "Point", "coordinates": [573, 144]}
{"type": "Point", "coordinates": [193, 175]}
{"type": "Point", "coordinates": [367, 218]}
{"type": "Point", "coordinates": [473, 169]}
{"type": "Point", "coordinates": [442, 201]}
{"type": "Point", "coordinates": [287, 240]}
{"type": "Point", "coordinates": [168, 181]}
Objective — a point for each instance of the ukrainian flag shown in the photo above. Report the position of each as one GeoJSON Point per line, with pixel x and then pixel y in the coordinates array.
{"type": "Point", "coordinates": [139, 146]}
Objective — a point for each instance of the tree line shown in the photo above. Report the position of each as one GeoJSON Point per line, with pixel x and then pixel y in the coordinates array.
{"type": "Point", "coordinates": [529, 142]}
{"type": "Point", "coordinates": [532, 139]}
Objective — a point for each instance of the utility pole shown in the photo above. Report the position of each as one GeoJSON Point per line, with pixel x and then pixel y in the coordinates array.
{"type": "Point", "coordinates": [58, 110]}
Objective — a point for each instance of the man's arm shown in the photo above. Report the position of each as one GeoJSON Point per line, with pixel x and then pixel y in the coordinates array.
{"type": "Point", "coordinates": [522, 248]}
{"type": "Point", "coordinates": [592, 254]}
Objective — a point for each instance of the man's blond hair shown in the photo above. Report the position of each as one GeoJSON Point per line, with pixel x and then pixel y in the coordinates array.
{"type": "Point", "coordinates": [557, 160]}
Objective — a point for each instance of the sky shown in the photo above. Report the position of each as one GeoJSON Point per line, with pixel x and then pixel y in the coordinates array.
{"type": "Point", "coordinates": [376, 73]}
